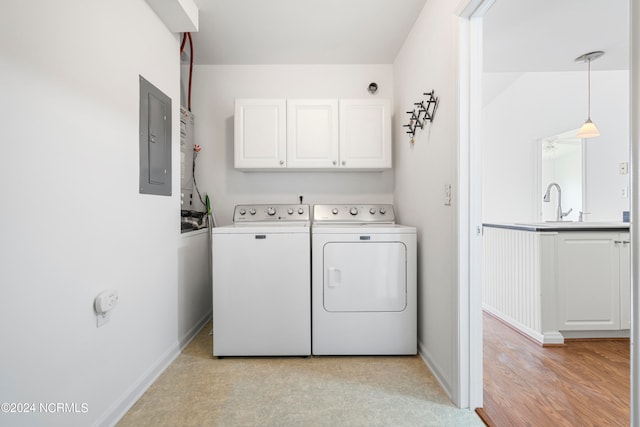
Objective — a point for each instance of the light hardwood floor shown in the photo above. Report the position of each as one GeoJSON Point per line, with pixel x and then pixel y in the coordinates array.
{"type": "Point", "coordinates": [584, 383]}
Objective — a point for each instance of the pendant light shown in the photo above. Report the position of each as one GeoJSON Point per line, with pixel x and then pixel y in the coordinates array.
{"type": "Point", "coordinates": [588, 129]}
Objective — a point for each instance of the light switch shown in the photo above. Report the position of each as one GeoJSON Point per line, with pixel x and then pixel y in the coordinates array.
{"type": "Point", "coordinates": [623, 168]}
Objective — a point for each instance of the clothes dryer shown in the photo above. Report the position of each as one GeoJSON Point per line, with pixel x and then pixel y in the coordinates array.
{"type": "Point", "coordinates": [363, 282]}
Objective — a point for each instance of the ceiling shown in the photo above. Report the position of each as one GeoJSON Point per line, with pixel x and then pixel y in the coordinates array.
{"type": "Point", "coordinates": [302, 31]}
{"type": "Point", "coordinates": [547, 35]}
{"type": "Point", "coordinates": [519, 35]}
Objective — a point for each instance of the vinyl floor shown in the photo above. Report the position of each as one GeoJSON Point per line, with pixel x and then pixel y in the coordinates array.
{"type": "Point", "coordinates": [200, 390]}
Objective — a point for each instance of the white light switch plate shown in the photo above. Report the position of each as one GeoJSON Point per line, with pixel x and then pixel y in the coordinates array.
{"type": "Point", "coordinates": [623, 168]}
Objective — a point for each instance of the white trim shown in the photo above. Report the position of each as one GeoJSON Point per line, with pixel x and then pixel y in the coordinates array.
{"type": "Point", "coordinates": [634, 76]}
{"type": "Point", "coordinates": [437, 373]}
{"type": "Point", "coordinates": [470, 203]}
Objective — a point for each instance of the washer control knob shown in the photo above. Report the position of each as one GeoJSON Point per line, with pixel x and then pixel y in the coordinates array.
{"type": "Point", "coordinates": [334, 211]}
{"type": "Point", "coordinates": [300, 211]}
{"type": "Point", "coordinates": [353, 211]}
{"type": "Point", "coordinates": [383, 211]}
{"type": "Point", "coordinates": [372, 211]}
{"type": "Point", "coordinates": [252, 211]}
{"type": "Point", "coordinates": [271, 211]}
{"type": "Point", "coordinates": [290, 211]}
{"type": "Point", "coordinates": [242, 211]}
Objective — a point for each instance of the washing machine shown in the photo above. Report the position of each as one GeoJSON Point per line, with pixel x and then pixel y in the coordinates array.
{"type": "Point", "coordinates": [261, 271]}
{"type": "Point", "coordinates": [363, 267]}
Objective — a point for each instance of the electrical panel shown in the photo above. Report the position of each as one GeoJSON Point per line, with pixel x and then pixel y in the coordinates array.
{"type": "Point", "coordinates": [155, 140]}
{"type": "Point", "coordinates": [186, 159]}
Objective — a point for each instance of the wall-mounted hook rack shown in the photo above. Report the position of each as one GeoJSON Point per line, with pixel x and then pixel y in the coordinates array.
{"type": "Point", "coordinates": [424, 111]}
{"type": "Point", "coordinates": [430, 109]}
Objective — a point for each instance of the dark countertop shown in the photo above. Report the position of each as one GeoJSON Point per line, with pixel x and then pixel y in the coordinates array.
{"type": "Point", "coordinates": [561, 226]}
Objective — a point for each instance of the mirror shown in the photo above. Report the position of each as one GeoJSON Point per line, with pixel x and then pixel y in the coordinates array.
{"type": "Point", "coordinates": [561, 160]}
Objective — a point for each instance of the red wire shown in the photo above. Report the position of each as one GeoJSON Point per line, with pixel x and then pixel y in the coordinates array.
{"type": "Point", "coordinates": [184, 42]}
{"type": "Point", "coordinates": [190, 70]}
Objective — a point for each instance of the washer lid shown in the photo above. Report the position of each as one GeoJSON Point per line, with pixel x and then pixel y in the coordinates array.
{"type": "Point", "coordinates": [263, 228]}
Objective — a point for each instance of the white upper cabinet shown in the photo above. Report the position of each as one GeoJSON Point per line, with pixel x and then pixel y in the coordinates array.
{"type": "Point", "coordinates": [312, 133]}
{"type": "Point", "coordinates": [321, 134]}
{"type": "Point", "coordinates": [365, 133]}
{"type": "Point", "coordinates": [260, 134]}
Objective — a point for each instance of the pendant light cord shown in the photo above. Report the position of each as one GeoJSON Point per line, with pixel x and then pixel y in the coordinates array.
{"type": "Point", "coordinates": [589, 89]}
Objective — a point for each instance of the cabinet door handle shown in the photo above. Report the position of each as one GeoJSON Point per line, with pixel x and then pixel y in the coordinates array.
{"type": "Point", "coordinates": [282, 162]}
{"type": "Point", "coordinates": [344, 163]}
{"type": "Point", "coordinates": [617, 241]}
{"type": "Point", "coordinates": [334, 163]}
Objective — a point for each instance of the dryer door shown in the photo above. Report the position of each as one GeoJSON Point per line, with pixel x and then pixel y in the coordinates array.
{"type": "Point", "coordinates": [369, 276]}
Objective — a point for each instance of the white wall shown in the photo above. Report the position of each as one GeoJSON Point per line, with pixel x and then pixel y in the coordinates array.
{"type": "Point", "coordinates": [73, 222]}
{"type": "Point", "coordinates": [215, 87]}
{"type": "Point", "coordinates": [428, 61]}
{"type": "Point", "coordinates": [522, 108]}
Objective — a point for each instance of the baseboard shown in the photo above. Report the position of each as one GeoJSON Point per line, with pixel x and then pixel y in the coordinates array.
{"type": "Point", "coordinates": [437, 373]}
{"type": "Point", "coordinates": [191, 333]}
{"type": "Point", "coordinates": [120, 407]}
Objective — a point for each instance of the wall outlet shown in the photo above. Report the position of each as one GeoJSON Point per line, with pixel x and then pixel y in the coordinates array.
{"type": "Point", "coordinates": [103, 305]}
{"type": "Point", "coordinates": [624, 192]}
{"type": "Point", "coordinates": [447, 194]}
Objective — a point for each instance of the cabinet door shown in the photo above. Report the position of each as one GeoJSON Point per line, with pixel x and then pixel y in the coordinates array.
{"type": "Point", "coordinates": [625, 281]}
{"type": "Point", "coordinates": [365, 133]}
{"type": "Point", "coordinates": [588, 271]}
{"type": "Point", "coordinates": [260, 134]}
{"type": "Point", "coordinates": [312, 133]}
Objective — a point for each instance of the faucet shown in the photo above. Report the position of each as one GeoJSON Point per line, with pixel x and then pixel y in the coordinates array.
{"type": "Point", "coordinates": [547, 198]}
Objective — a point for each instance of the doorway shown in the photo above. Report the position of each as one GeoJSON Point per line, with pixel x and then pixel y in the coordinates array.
{"type": "Point", "coordinates": [470, 169]}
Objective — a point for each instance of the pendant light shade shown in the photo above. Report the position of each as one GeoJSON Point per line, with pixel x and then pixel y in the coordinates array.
{"type": "Point", "coordinates": [589, 129]}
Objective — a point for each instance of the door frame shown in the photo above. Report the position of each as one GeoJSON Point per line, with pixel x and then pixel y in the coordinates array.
{"type": "Point", "coordinates": [469, 177]}
{"type": "Point", "coordinates": [469, 218]}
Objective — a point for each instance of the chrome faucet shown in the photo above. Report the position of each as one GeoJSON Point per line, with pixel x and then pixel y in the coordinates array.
{"type": "Point", "coordinates": [547, 198]}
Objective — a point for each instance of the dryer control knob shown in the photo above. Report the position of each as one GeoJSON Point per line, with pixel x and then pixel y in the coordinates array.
{"type": "Point", "coordinates": [300, 211]}
{"type": "Point", "coordinates": [383, 211]}
{"type": "Point", "coordinates": [335, 211]}
{"type": "Point", "coordinates": [242, 211]}
{"type": "Point", "coordinates": [353, 211]}
{"type": "Point", "coordinates": [290, 211]}
{"type": "Point", "coordinates": [372, 211]}
{"type": "Point", "coordinates": [271, 211]}
{"type": "Point", "coordinates": [252, 211]}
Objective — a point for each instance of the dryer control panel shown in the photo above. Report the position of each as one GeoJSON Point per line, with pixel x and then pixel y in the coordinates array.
{"type": "Point", "coordinates": [380, 213]}
{"type": "Point", "coordinates": [271, 213]}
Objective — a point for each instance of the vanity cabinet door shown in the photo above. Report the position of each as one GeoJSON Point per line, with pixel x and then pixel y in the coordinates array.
{"type": "Point", "coordinates": [588, 274]}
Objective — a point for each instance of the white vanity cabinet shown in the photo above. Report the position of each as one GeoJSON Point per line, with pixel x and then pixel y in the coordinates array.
{"type": "Point", "coordinates": [318, 134]}
{"type": "Point", "coordinates": [260, 134]}
{"type": "Point", "coordinates": [593, 281]}
{"type": "Point", "coordinates": [556, 281]}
